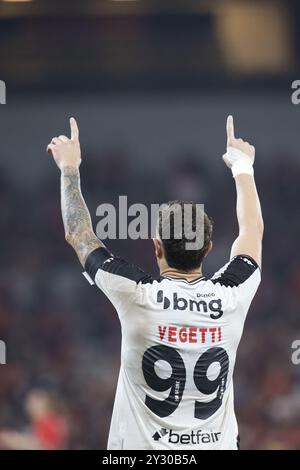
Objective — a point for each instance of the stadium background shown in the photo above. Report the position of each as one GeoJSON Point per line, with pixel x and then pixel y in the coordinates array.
{"type": "Point", "coordinates": [150, 83]}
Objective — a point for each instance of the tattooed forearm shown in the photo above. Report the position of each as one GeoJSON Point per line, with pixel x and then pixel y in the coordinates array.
{"type": "Point", "coordinates": [76, 217]}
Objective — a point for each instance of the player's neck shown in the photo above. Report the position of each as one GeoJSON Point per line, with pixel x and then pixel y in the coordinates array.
{"type": "Point", "coordinates": [175, 273]}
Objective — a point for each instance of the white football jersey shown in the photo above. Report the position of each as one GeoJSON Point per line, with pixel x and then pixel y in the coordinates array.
{"type": "Point", "coordinates": [179, 344]}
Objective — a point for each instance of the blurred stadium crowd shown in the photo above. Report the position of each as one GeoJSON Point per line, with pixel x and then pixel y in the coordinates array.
{"type": "Point", "coordinates": [68, 335]}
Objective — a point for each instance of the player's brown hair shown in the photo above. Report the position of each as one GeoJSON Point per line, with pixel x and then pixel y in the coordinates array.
{"type": "Point", "coordinates": [176, 254]}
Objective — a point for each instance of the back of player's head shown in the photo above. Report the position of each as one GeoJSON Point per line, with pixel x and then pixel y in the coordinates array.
{"type": "Point", "coordinates": [173, 215]}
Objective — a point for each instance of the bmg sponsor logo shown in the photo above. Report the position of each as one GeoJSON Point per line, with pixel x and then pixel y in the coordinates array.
{"type": "Point", "coordinates": [214, 306]}
{"type": "Point", "coordinates": [2, 92]}
{"type": "Point", "coordinates": [2, 353]}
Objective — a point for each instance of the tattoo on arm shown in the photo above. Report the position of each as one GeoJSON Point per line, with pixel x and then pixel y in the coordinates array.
{"type": "Point", "coordinates": [76, 217]}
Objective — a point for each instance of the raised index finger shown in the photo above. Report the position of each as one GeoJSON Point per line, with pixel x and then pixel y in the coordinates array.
{"type": "Point", "coordinates": [230, 128]}
{"type": "Point", "coordinates": [74, 129]}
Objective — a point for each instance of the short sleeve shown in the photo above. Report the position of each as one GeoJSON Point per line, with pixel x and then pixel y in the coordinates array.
{"type": "Point", "coordinates": [239, 279]}
{"type": "Point", "coordinates": [118, 279]}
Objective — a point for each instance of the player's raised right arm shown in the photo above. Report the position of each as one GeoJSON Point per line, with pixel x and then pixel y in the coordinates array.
{"type": "Point", "coordinates": [79, 232]}
{"type": "Point", "coordinates": [240, 158]}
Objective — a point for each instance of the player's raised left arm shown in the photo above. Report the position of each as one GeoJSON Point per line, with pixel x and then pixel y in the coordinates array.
{"type": "Point", "coordinates": [240, 158]}
{"type": "Point", "coordinates": [79, 231]}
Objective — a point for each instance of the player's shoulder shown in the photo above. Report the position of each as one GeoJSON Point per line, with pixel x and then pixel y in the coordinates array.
{"type": "Point", "coordinates": [236, 272]}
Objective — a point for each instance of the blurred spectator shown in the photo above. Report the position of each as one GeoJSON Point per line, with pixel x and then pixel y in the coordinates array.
{"type": "Point", "coordinates": [49, 426]}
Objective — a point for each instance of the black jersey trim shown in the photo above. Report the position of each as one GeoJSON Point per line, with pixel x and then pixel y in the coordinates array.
{"type": "Point", "coordinates": [95, 260]}
{"type": "Point", "coordinates": [102, 259]}
{"type": "Point", "coordinates": [239, 269]}
{"type": "Point", "coordinates": [195, 281]}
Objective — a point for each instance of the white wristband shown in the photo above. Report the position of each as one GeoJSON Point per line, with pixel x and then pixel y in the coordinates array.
{"type": "Point", "coordinates": [240, 162]}
{"type": "Point", "coordinates": [242, 167]}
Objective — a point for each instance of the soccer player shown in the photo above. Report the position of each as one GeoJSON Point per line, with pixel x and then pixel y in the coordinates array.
{"type": "Point", "coordinates": [180, 333]}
